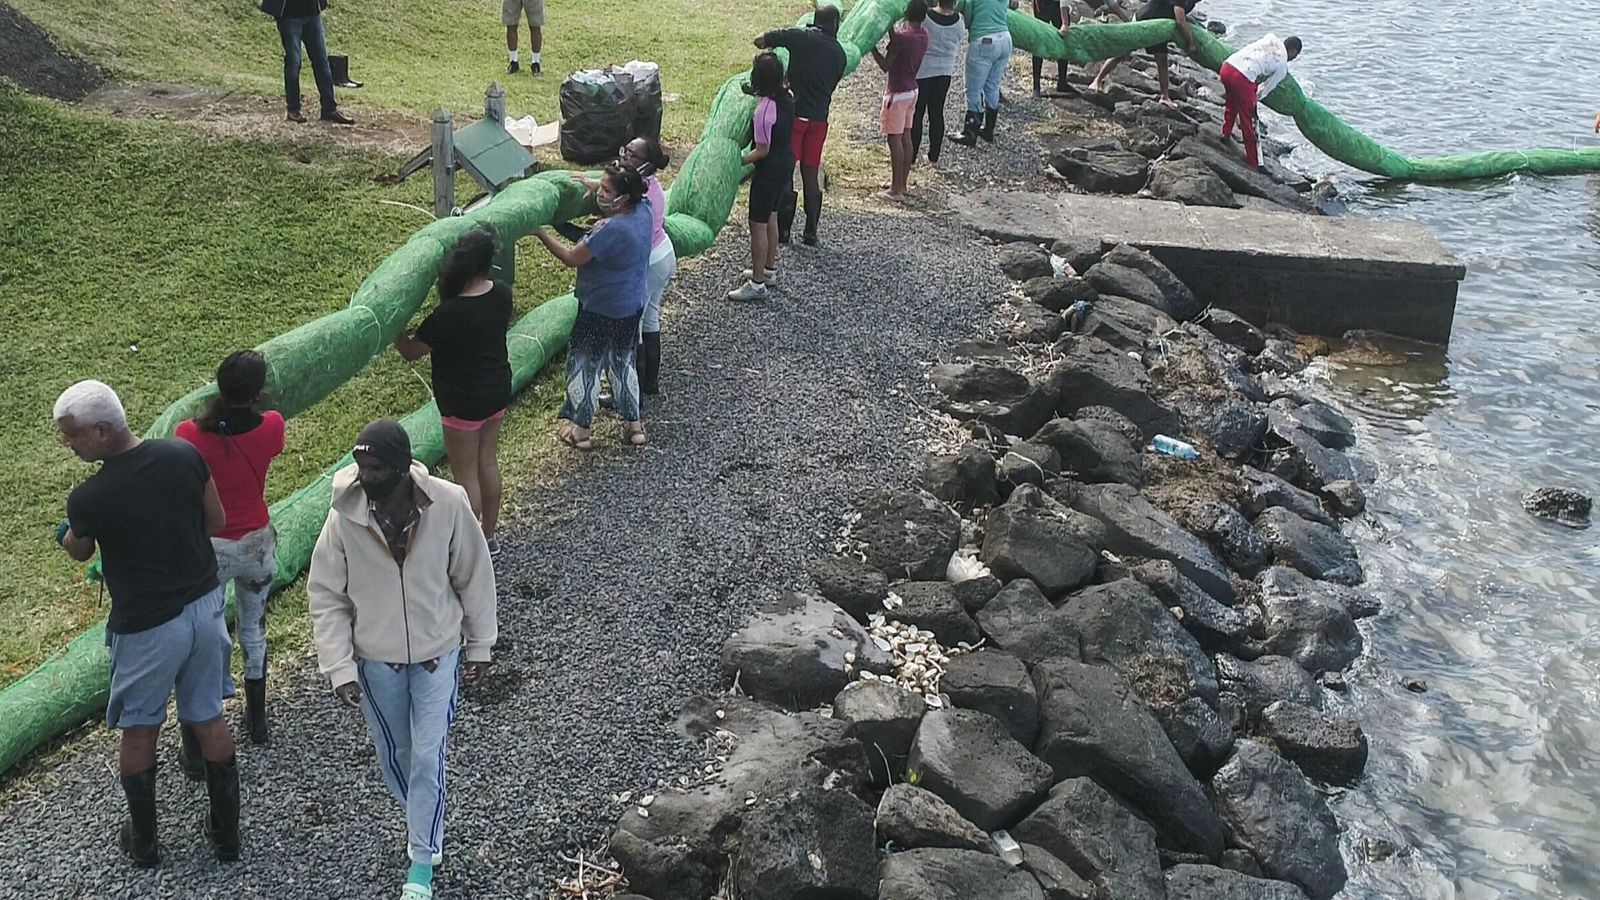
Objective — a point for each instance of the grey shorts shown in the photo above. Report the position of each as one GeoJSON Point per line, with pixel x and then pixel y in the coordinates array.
{"type": "Point", "coordinates": [511, 12]}
{"type": "Point", "coordinates": [188, 654]}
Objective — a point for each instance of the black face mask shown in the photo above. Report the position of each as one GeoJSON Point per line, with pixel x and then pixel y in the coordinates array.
{"type": "Point", "coordinates": [380, 490]}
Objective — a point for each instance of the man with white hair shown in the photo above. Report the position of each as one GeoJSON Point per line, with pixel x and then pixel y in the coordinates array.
{"type": "Point", "coordinates": [151, 510]}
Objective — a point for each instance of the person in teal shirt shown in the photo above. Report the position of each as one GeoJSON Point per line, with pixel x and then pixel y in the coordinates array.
{"type": "Point", "coordinates": [988, 51]}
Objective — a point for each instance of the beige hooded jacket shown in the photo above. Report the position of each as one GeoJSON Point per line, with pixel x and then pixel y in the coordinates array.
{"type": "Point", "coordinates": [364, 605]}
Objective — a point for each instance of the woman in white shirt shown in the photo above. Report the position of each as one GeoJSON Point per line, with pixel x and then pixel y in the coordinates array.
{"type": "Point", "coordinates": [945, 33]}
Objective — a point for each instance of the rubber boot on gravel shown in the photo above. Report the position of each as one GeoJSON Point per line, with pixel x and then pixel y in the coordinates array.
{"type": "Point", "coordinates": [968, 135]}
{"type": "Point", "coordinates": [988, 126]}
{"type": "Point", "coordinates": [138, 835]}
{"type": "Point", "coordinates": [189, 758]}
{"type": "Point", "coordinates": [222, 819]}
{"type": "Point", "coordinates": [255, 709]}
{"type": "Point", "coordinates": [813, 205]}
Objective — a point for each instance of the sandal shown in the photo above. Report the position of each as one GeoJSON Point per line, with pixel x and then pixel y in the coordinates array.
{"type": "Point", "coordinates": [568, 436]}
{"type": "Point", "coordinates": [636, 434]}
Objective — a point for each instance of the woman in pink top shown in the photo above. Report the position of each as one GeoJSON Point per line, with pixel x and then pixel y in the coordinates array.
{"type": "Point", "coordinates": [908, 42]}
{"type": "Point", "coordinates": [646, 156]}
{"type": "Point", "coordinates": [238, 443]}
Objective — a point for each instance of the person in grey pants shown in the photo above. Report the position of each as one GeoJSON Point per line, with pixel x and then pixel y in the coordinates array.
{"type": "Point", "coordinates": [402, 602]}
{"type": "Point", "coordinates": [300, 24]}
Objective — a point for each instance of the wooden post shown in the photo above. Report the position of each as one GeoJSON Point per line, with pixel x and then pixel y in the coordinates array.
{"type": "Point", "coordinates": [444, 163]}
{"type": "Point", "coordinates": [494, 103]}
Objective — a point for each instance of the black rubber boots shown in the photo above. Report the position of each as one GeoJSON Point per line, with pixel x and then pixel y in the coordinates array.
{"type": "Point", "coordinates": [138, 835]}
{"type": "Point", "coordinates": [222, 820]}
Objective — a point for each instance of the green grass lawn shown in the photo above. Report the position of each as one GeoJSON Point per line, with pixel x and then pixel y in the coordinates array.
{"type": "Point", "coordinates": [415, 55]}
{"type": "Point", "coordinates": [141, 256]}
{"type": "Point", "coordinates": [140, 253]}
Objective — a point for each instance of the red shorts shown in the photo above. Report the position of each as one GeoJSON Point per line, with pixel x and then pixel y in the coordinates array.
{"type": "Point", "coordinates": [807, 141]}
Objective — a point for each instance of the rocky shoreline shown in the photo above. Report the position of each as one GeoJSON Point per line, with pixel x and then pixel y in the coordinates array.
{"type": "Point", "coordinates": [1068, 666]}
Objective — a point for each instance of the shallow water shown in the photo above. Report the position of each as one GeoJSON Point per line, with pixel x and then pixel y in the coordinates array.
{"type": "Point", "coordinates": [1492, 777]}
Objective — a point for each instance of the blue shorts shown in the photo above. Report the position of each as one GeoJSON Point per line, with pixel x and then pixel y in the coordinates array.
{"type": "Point", "coordinates": [190, 653]}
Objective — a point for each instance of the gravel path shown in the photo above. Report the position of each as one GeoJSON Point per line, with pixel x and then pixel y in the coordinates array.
{"type": "Point", "coordinates": [1015, 159]}
{"type": "Point", "coordinates": [614, 605]}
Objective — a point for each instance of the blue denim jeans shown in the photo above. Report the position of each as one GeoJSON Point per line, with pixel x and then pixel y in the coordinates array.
{"type": "Point", "coordinates": [663, 265]}
{"type": "Point", "coordinates": [987, 58]}
{"type": "Point", "coordinates": [305, 30]}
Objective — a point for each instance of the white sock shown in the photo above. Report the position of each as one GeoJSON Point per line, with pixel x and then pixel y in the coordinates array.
{"type": "Point", "coordinates": [535, 56]}
{"type": "Point", "coordinates": [513, 55]}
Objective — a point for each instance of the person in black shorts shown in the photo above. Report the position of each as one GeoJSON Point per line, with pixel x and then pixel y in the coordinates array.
{"type": "Point", "coordinates": [466, 334]}
{"type": "Point", "coordinates": [1053, 12]}
{"type": "Point", "coordinates": [772, 154]}
{"type": "Point", "coordinates": [151, 512]}
{"type": "Point", "coordinates": [1178, 11]}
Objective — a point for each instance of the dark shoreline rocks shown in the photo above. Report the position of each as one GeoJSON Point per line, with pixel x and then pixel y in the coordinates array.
{"type": "Point", "coordinates": [1132, 649]}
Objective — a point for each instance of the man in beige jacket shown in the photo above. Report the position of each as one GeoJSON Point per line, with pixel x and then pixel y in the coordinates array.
{"type": "Point", "coordinates": [402, 599]}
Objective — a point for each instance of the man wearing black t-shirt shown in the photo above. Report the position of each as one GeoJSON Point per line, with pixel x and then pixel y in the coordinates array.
{"type": "Point", "coordinates": [151, 511]}
{"type": "Point", "coordinates": [816, 65]}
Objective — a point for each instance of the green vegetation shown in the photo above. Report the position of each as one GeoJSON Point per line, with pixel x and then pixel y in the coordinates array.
{"type": "Point", "coordinates": [415, 55]}
{"type": "Point", "coordinates": [140, 253]}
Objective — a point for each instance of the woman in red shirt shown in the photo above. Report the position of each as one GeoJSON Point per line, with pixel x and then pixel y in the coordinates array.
{"type": "Point", "coordinates": [238, 443]}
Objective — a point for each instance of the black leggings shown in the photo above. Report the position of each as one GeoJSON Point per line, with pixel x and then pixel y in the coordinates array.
{"type": "Point", "coordinates": [1051, 13]}
{"type": "Point", "coordinates": [930, 99]}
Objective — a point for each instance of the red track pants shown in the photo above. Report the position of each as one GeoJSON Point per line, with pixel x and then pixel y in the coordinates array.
{"type": "Point", "coordinates": [1241, 105]}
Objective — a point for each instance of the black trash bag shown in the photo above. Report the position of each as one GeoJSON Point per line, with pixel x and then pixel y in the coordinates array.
{"type": "Point", "coordinates": [647, 102]}
{"type": "Point", "coordinates": [602, 109]}
{"type": "Point", "coordinates": [598, 110]}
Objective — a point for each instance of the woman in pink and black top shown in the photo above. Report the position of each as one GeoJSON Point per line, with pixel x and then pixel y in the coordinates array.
{"type": "Point", "coordinates": [238, 444]}
{"type": "Point", "coordinates": [772, 154]}
{"type": "Point", "coordinates": [908, 42]}
{"type": "Point", "coordinates": [466, 334]}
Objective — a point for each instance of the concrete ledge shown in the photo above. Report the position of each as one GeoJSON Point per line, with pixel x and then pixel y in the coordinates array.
{"type": "Point", "coordinates": [1316, 274]}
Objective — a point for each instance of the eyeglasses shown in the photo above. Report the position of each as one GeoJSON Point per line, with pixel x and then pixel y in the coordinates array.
{"type": "Point", "coordinates": [627, 153]}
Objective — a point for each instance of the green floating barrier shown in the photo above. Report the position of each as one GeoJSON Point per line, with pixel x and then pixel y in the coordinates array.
{"type": "Point", "coordinates": [1327, 132]}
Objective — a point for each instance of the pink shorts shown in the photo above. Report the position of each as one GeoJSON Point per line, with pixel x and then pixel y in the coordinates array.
{"type": "Point", "coordinates": [898, 110]}
{"type": "Point", "coordinates": [468, 424]}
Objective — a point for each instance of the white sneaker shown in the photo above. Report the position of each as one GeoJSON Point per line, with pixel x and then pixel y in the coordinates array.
{"type": "Point", "coordinates": [771, 276]}
{"type": "Point", "coordinates": [749, 292]}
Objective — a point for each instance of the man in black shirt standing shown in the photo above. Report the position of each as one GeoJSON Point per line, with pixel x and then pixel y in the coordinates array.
{"type": "Point", "coordinates": [151, 511]}
{"type": "Point", "coordinates": [816, 65]}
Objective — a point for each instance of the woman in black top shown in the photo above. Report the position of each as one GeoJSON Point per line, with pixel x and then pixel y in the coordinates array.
{"type": "Point", "coordinates": [466, 334]}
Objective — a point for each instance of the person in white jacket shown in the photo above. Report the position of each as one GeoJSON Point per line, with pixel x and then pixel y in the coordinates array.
{"type": "Point", "coordinates": [1249, 75]}
{"type": "Point", "coordinates": [402, 598]}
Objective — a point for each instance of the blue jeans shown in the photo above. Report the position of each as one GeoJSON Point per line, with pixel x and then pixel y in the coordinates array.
{"type": "Point", "coordinates": [987, 58]}
{"type": "Point", "coordinates": [409, 712]}
{"type": "Point", "coordinates": [663, 265]}
{"type": "Point", "coordinates": [305, 30]}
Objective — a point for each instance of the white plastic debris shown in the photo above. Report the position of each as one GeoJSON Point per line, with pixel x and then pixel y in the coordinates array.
{"type": "Point", "coordinates": [964, 566]}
